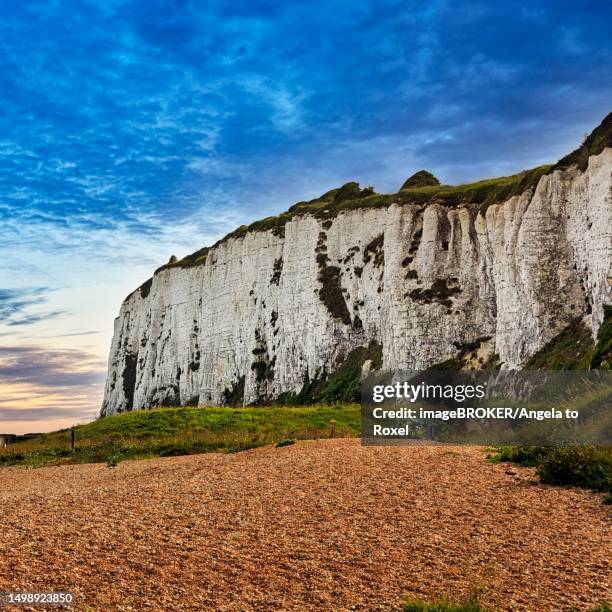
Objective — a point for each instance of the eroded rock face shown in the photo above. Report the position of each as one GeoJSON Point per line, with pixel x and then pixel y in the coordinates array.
{"type": "Point", "coordinates": [265, 311]}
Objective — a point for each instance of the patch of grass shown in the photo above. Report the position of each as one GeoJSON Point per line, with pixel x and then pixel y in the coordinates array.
{"type": "Point", "coordinates": [571, 349]}
{"type": "Point", "coordinates": [528, 456]}
{"type": "Point", "coordinates": [574, 349]}
{"type": "Point", "coordinates": [285, 442]}
{"type": "Point", "coordinates": [343, 385]}
{"type": "Point", "coordinates": [164, 432]}
{"type": "Point", "coordinates": [144, 289]}
{"type": "Point", "coordinates": [471, 604]}
{"type": "Point", "coordinates": [195, 259]}
{"type": "Point", "coordinates": [113, 460]}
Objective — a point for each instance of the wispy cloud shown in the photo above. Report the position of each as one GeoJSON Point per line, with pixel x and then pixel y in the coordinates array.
{"type": "Point", "coordinates": [15, 302]}
{"type": "Point", "coordinates": [38, 385]}
{"type": "Point", "coordinates": [43, 414]}
{"type": "Point", "coordinates": [50, 368]}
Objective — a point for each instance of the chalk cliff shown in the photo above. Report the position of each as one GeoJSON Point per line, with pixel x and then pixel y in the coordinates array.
{"type": "Point", "coordinates": [493, 270]}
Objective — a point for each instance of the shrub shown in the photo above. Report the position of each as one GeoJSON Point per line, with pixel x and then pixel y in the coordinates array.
{"type": "Point", "coordinates": [113, 460]}
{"type": "Point", "coordinates": [528, 456]}
{"type": "Point", "coordinates": [443, 605]}
{"type": "Point", "coordinates": [586, 466]}
{"type": "Point", "coordinates": [285, 442]}
{"type": "Point", "coordinates": [422, 178]}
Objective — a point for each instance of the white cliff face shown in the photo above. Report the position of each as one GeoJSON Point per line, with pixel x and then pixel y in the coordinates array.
{"type": "Point", "coordinates": [269, 311]}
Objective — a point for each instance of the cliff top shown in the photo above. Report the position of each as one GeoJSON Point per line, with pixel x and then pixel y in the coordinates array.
{"type": "Point", "coordinates": [421, 188]}
{"type": "Point", "coordinates": [351, 197]}
{"type": "Point", "coordinates": [598, 140]}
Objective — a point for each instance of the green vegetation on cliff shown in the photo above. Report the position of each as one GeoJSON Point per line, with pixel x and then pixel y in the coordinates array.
{"type": "Point", "coordinates": [571, 349]}
{"type": "Point", "coordinates": [343, 385]}
{"type": "Point", "coordinates": [422, 178]}
{"type": "Point", "coordinates": [574, 349]}
{"type": "Point", "coordinates": [602, 353]}
{"type": "Point", "coordinates": [351, 197]}
{"type": "Point", "coordinates": [598, 140]}
{"type": "Point", "coordinates": [327, 206]}
{"type": "Point", "coordinates": [422, 188]}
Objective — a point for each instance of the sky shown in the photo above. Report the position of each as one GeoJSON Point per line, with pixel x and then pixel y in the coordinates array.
{"type": "Point", "coordinates": [132, 131]}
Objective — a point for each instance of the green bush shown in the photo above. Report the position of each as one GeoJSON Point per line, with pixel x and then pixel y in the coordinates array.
{"type": "Point", "coordinates": [285, 442]}
{"type": "Point", "coordinates": [469, 605]}
{"type": "Point", "coordinates": [571, 349]}
{"type": "Point", "coordinates": [587, 467]}
{"type": "Point", "coordinates": [113, 460]}
{"type": "Point", "coordinates": [443, 605]}
{"type": "Point", "coordinates": [528, 456]}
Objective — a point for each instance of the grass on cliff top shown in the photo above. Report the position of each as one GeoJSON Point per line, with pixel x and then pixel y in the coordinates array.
{"type": "Point", "coordinates": [598, 140]}
{"type": "Point", "coordinates": [420, 189]}
{"type": "Point", "coordinates": [352, 197]}
{"type": "Point", "coordinates": [164, 432]}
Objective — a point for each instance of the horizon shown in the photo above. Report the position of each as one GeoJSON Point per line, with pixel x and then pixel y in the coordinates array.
{"type": "Point", "coordinates": [130, 135]}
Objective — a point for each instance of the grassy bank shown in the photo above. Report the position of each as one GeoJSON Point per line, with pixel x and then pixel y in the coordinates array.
{"type": "Point", "coordinates": [167, 432]}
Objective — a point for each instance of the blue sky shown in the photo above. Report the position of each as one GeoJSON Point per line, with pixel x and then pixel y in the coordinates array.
{"type": "Point", "coordinates": [130, 131]}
